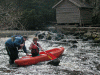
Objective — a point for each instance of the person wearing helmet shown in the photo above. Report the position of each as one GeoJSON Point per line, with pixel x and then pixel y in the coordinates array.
{"type": "Point", "coordinates": [12, 46]}
{"type": "Point", "coordinates": [34, 47]}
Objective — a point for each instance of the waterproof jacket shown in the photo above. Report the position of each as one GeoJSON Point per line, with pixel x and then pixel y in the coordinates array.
{"type": "Point", "coordinates": [16, 43]}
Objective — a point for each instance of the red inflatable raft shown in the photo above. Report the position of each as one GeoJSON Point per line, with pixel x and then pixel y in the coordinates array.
{"type": "Point", "coordinates": [28, 60]}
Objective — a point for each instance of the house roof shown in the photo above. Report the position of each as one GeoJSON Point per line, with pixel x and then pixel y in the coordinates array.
{"type": "Point", "coordinates": [76, 2]}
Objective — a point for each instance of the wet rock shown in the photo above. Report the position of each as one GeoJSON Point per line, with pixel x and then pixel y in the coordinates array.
{"type": "Point", "coordinates": [56, 38]}
{"type": "Point", "coordinates": [98, 67]}
{"type": "Point", "coordinates": [74, 46]}
{"type": "Point", "coordinates": [73, 41]}
{"type": "Point", "coordinates": [76, 73]}
{"type": "Point", "coordinates": [76, 34]}
{"type": "Point", "coordinates": [85, 38]}
{"type": "Point", "coordinates": [88, 34]}
{"type": "Point", "coordinates": [97, 40]}
{"type": "Point", "coordinates": [62, 36]}
{"type": "Point", "coordinates": [54, 62]}
{"type": "Point", "coordinates": [96, 34]}
{"type": "Point", "coordinates": [73, 72]}
{"type": "Point", "coordinates": [92, 38]}
{"type": "Point", "coordinates": [6, 70]}
{"type": "Point", "coordinates": [50, 35]}
{"type": "Point", "coordinates": [49, 38]}
{"type": "Point", "coordinates": [77, 37]}
{"type": "Point", "coordinates": [84, 58]}
{"type": "Point", "coordinates": [64, 40]}
{"type": "Point", "coordinates": [96, 62]}
{"type": "Point", "coordinates": [95, 45]}
{"type": "Point", "coordinates": [41, 36]}
{"type": "Point", "coordinates": [59, 36]}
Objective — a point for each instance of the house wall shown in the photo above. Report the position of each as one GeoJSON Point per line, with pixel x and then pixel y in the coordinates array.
{"type": "Point", "coordinates": [67, 12]}
{"type": "Point", "coordinates": [99, 18]}
{"type": "Point", "coordinates": [86, 16]}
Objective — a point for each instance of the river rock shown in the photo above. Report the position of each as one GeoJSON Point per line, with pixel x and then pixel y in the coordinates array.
{"type": "Point", "coordinates": [74, 46]}
{"type": "Point", "coordinates": [54, 62]}
{"type": "Point", "coordinates": [84, 58]}
{"type": "Point", "coordinates": [41, 36]}
{"type": "Point", "coordinates": [85, 38]}
{"type": "Point", "coordinates": [88, 34]}
{"type": "Point", "coordinates": [97, 40]}
{"type": "Point", "coordinates": [73, 41]}
{"type": "Point", "coordinates": [98, 67]}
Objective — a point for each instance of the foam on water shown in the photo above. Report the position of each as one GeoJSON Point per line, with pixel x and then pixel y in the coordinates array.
{"type": "Point", "coordinates": [73, 59]}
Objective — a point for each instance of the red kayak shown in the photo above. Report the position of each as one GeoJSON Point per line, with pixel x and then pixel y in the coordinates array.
{"type": "Point", "coordinates": [28, 60]}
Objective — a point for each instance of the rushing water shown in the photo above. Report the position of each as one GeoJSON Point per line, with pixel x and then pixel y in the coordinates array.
{"type": "Point", "coordinates": [80, 58]}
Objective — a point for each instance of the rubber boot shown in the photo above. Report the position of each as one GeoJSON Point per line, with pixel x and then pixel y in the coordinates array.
{"type": "Point", "coordinates": [11, 62]}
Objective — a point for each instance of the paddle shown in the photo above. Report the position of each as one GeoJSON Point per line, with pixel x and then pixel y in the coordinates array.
{"type": "Point", "coordinates": [54, 59]}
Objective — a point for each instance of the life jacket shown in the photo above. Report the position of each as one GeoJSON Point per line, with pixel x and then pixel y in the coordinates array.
{"type": "Point", "coordinates": [35, 49]}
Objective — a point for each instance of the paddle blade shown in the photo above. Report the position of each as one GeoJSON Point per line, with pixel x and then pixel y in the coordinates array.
{"type": "Point", "coordinates": [51, 56]}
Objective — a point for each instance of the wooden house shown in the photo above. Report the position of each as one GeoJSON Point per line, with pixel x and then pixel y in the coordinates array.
{"type": "Point", "coordinates": [73, 11]}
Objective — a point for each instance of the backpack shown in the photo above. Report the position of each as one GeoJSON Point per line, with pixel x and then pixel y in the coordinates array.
{"type": "Point", "coordinates": [13, 37]}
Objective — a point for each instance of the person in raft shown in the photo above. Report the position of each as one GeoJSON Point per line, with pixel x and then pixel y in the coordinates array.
{"type": "Point", "coordinates": [34, 47]}
{"type": "Point", "coordinates": [12, 46]}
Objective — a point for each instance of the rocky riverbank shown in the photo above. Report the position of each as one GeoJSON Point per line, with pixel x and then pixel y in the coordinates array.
{"type": "Point", "coordinates": [85, 33]}
{"type": "Point", "coordinates": [71, 29]}
{"type": "Point", "coordinates": [8, 33]}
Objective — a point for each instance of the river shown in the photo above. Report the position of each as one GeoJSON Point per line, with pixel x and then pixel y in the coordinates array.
{"type": "Point", "coordinates": [81, 58]}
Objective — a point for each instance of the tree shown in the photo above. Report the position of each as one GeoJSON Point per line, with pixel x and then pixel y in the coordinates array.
{"type": "Point", "coordinates": [9, 14]}
{"type": "Point", "coordinates": [96, 9]}
{"type": "Point", "coordinates": [26, 14]}
{"type": "Point", "coordinates": [38, 13]}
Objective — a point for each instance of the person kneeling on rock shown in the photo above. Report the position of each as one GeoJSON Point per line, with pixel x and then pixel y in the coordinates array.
{"type": "Point", "coordinates": [12, 46]}
{"type": "Point", "coordinates": [34, 47]}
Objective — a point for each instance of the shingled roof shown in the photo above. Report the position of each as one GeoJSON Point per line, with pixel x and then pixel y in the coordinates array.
{"type": "Point", "coordinates": [76, 2]}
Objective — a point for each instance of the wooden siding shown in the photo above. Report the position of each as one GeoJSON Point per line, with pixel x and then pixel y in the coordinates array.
{"type": "Point", "coordinates": [67, 12]}
{"type": "Point", "coordinates": [99, 17]}
{"type": "Point", "coordinates": [86, 16]}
